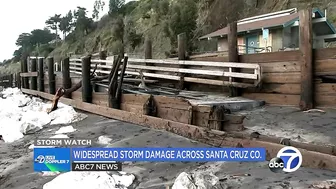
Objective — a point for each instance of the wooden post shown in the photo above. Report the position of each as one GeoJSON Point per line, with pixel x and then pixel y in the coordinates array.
{"type": "Point", "coordinates": [40, 75]}
{"type": "Point", "coordinates": [10, 80]}
{"type": "Point", "coordinates": [119, 89]}
{"type": "Point", "coordinates": [66, 76]}
{"type": "Point", "coordinates": [25, 70]}
{"type": "Point", "coordinates": [233, 55]}
{"type": "Point", "coordinates": [148, 49]}
{"type": "Point", "coordinates": [102, 55]}
{"type": "Point", "coordinates": [182, 47]}
{"type": "Point", "coordinates": [86, 83]}
{"type": "Point", "coordinates": [51, 75]}
{"type": "Point", "coordinates": [33, 80]}
{"type": "Point", "coordinates": [306, 59]}
{"type": "Point", "coordinates": [18, 80]}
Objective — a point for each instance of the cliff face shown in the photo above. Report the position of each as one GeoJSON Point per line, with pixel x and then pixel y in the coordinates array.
{"type": "Point", "coordinates": [160, 20]}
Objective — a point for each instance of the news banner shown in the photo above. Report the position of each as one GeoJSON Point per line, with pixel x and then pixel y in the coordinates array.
{"type": "Point", "coordinates": [65, 155]}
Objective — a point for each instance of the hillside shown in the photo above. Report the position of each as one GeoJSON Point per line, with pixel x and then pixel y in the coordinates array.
{"type": "Point", "coordinates": [127, 26]}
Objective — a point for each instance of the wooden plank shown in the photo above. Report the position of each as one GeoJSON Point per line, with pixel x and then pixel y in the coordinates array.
{"type": "Point", "coordinates": [328, 89]}
{"type": "Point", "coordinates": [325, 53]}
{"type": "Point", "coordinates": [173, 108]}
{"type": "Point", "coordinates": [77, 95]}
{"type": "Point", "coordinates": [136, 103]}
{"type": "Point", "coordinates": [282, 88]}
{"type": "Point", "coordinates": [222, 64]}
{"type": "Point", "coordinates": [327, 65]}
{"type": "Point", "coordinates": [201, 72]}
{"type": "Point", "coordinates": [325, 100]}
{"type": "Point", "coordinates": [306, 60]}
{"type": "Point", "coordinates": [276, 99]}
{"type": "Point", "coordinates": [204, 135]}
{"type": "Point", "coordinates": [100, 98]}
{"type": "Point", "coordinates": [211, 59]}
{"type": "Point", "coordinates": [29, 74]}
{"type": "Point", "coordinates": [280, 67]}
{"type": "Point", "coordinates": [270, 57]}
{"type": "Point", "coordinates": [292, 77]}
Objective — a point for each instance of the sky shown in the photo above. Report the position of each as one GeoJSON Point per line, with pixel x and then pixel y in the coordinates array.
{"type": "Point", "coordinates": [23, 16]}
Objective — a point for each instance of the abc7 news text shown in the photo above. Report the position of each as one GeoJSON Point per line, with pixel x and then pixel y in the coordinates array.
{"type": "Point", "coordinates": [96, 166]}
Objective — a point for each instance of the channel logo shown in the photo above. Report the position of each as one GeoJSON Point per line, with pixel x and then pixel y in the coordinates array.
{"type": "Point", "coordinates": [289, 159]}
{"type": "Point", "coordinates": [40, 159]}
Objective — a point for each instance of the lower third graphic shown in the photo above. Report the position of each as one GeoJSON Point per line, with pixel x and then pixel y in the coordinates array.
{"type": "Point", "coordinates": [52, 159]}
{"type": "Point", "coordinates": [289, 159]}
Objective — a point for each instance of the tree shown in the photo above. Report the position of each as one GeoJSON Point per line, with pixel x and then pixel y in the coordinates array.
{"type": "Point", "coordinates": [83, 23]}
{"type": "Point", "coordinates": [53, 22]}
{"type": "Point", "coordinates": [115, 6]}
{"type": "Point", "coordinates": [182, 18]}
{"type": "Point", "coordinates": [97, 7]}
{"type": "Point", "coordinates": [66, 24]}
{"type": "Point", "coordinates": [28, 42]}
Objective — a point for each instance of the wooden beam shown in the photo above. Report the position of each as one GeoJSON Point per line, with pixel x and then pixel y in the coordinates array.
{"type": "Point", "coordinates": [233, 55]}
{"type": "Point", "coordinates": [33, 79]}
{"type": "Point", "coordinates": [196, 63]}
{"type": "Point", "coordinates": [51, 75]}
{"type": "Point", "coordinates": [40, 75]}
{"type": "Point", "coordinates": [86, 83]}
{"type": "Point", "coordinates": [66, 76]}
{"type": "Point", "coordinates": [182, 48]}
{"type": "Point", "coordinates": [25, 70]}
{"type": "Point", "coordinates": [208, 136]}
{"type": "Point", "coordinates": [306, 59]}
{"type": "Point", "coordinates": [29, 74]}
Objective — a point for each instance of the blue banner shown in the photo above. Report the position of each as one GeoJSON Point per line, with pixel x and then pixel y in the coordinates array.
{"type": "Point", "coordinates": [52, 159]}
{"type": "Point", "coordinates": [169, 154]}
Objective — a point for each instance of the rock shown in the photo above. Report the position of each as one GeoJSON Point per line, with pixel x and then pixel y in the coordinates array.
{"type": "Point", "coordinates": [199, 180]}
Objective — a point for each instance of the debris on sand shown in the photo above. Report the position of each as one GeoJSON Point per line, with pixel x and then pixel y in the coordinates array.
{"type": "Point", "coordinates": [21, 114]}
{"type": "Point", "coordinates": [104, 140]}
{"type": "Point", "coordinates": [66, 129]}
{"type": "Point", "coordinates": [327, 184]}
{"type": "Point", "coordinates": [197, 180]}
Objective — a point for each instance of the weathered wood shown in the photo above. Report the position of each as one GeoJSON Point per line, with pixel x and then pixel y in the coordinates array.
{"type": "Point", "coordinates": [18, 80]}
{"type": "Point", "coordinates": [120, 83]}
{"type": "Point", "coordinates": [275, 99]}
{"type": "Point", "coordinates": [282, 88]}
{"type": "Point", "coordinates": [233, 56]}
{"type": "Point", "coordinates": [66, 76]}
{"type": "Point", "coordinates": [40, 75]}
{"type": "Point", "coordinates": [113, 85]}
{"type": "Point", "coordinates": [224, 64]}
{"type": "Point", "coordinates": [136, 103]}
{"type": "Point", "coordinates": [100, 98]}
{"type": "Point", "coordinates": [182, 48]}
{"type": "Point", "coordinates": [29, 74]}
{"type": "Point", "coordinates": [282, 56]}
{"type": "Point", "coordinates": [306, 51]}
{"type": "Point", "coordinates": [324, 53]}
{"type": "Point", "coordinates": [86, 83]}
{"type": "Point", "coordinates": [25, 70]}
{"type": "Point", "coordinates": [51, 75]}
{"type": "Point", "coordinates": [102, 55]}
{"type": "Point", "coordinates": [198, 71]}
{"type": "Point", "coordinates": [280, 67]}
{"type": "Point", "coordinates": [204, 135]}
{"type": "Point", "coordinates": [173, 108]}
{"type": "Point", "coordinates": [33, 79]}
{"type": "Point", "coordinates": [292, 77]}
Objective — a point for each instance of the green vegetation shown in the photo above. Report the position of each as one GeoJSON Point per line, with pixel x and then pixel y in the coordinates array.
{"type": "Point", "coordinates": [126, 26]}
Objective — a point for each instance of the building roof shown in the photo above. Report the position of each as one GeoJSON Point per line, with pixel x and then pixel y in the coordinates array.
{"type": "Point", "coordinates": [276, 19]}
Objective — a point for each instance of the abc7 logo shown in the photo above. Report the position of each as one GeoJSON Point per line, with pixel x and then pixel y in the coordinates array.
{"type": "Point", "coordinates": [289, 159]}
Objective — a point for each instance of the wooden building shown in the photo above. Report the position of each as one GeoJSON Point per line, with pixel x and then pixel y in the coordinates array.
{"type": "Point", "coordinates": [273, 32]}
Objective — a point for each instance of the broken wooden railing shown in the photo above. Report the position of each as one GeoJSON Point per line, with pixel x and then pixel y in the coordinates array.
{"type": "Point", "coordinates": [201, 72]}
